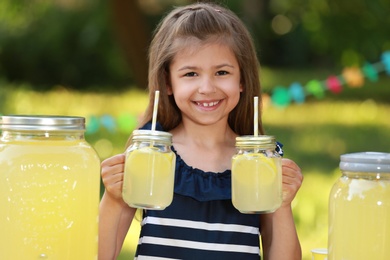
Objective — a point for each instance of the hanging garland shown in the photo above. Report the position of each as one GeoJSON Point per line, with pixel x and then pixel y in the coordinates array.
{"type": "Point", "coordinates": [353, 77]}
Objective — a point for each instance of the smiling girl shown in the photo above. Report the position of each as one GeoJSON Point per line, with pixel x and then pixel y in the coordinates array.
{"type": "Point", "coordinates": [203, 62]}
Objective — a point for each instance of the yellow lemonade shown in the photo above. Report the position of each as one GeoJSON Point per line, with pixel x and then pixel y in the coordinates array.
{"type": "Point", "coordinates": [49, 199]}
{"type": "Point", "coordinates": [149, 178]}
{"type": "Point", "coordinates": [256, 183]}
{"type": "Point", "coordinates": [359, 223]}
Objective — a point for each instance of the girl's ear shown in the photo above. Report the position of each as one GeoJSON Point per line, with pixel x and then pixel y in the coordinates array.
{"type": "Point", "coordinates": [169, 90]}
{"type": "Point", "coordinates": [241, 87]}
{"type": "Point", "coordinates": [168, 84]}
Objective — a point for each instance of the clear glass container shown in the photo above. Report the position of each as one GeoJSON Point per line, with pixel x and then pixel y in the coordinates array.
{"type": "Point", "coordinates": [49, 189]}
{"type": "Point", "coordinates": [256, 175]}
{"type": "Point", "coordinates": [149, 170]}
{"type": "Point", "coordinates": [359, 208]}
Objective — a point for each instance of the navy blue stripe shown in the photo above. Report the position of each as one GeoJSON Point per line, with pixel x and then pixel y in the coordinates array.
{"type": "Point", "coordinates": [201, 235]}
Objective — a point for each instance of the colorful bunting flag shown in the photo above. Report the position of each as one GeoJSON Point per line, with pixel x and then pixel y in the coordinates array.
{"type": "Point", "coordinates": [280, 96]}
{"type": "Point", "coordinates": [334, 84]}
{"type": "Point", "coordinates": [385, 58]}
{"type": "Point", "coordinates": [353, 77]}
{"type": "Point", "coordinates": [297, 92]}
{"type": "Point", "coordinates": [315, 87]}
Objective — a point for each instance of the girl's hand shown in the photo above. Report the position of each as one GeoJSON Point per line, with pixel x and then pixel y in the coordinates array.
{"type": "Point", "coordinates": [115, 216]}
{"type": "Point", "coordinates": [279, 235]}
{"type": "Point", "coordinates": [292, 179]}
{"type": "Point", "coordinates": [112, 175]}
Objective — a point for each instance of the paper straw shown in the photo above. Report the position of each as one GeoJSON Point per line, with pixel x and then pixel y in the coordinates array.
{"type": "Point", "coordinates": [256, 116]}
{"type": "Point", "coordinates": [155, 108]}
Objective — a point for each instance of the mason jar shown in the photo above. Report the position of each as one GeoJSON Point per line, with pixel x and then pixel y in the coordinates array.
{"type": "Point", "coordinates": [256, 175]}
{"type": "Point", "coordinates": [359, 208]}
{"type": "Point", "coordinates": [149, 170]}
{"type": "Point", "coordinates": [49, 189]}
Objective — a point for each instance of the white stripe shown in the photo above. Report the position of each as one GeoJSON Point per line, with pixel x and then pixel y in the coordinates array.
{"type": "Point", "coordinates": [143, 257]}
{"type": "Point", "coordinates": [200, 225]}
{"type": "Point", "coordinates": [199, 245]}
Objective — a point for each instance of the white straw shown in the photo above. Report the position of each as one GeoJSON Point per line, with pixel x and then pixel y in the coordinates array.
{"type": "Point", "coordinates": [155, 108]}
{"type": "Point", "coordinates": [256, 116]}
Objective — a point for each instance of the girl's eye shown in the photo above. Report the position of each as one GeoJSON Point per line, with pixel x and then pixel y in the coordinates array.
{"type": "Point", "coordinates": [222, 72]}
{"type": "Point", "coordinates": [190, 74]}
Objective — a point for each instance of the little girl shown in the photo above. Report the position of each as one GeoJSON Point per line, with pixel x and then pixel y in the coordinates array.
{"type": "Point", "coordinates": [203, 62]}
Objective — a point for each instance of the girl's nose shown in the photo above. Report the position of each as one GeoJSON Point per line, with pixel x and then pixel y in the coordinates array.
{"type": "Point", "coordinates": [207, 86]}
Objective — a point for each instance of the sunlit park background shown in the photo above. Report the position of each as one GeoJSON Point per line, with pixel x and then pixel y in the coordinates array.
{"type": "Point", "coordinates": [325, 75]}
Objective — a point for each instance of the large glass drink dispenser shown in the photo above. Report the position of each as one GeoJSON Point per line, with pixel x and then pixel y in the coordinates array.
{"type": "Point", "coordinates": [359, 208]}
{"type": "Point", "coordinates": [49, 189]}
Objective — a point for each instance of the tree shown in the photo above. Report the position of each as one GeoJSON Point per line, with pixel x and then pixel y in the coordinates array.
{"type": "Point", "coordinates": [133, 34]}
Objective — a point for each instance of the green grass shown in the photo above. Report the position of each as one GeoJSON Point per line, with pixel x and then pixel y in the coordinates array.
{"type": "Point", "coordinates": [314, 135]}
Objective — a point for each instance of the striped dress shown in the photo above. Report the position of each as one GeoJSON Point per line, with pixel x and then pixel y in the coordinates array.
{"type": "Point", "coordinates": [201, 223]}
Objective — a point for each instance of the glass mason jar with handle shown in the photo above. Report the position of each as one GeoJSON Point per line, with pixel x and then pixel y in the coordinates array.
{"type": "Point", "coordinates": [256, 175]}
{"type": "Point", "coordinates": [149, 170]}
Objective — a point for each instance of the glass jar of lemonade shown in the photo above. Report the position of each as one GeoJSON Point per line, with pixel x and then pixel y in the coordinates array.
{"type": "Point", "coordinates": [359, 208]}
{"type": "Point", "coordinates": [149, 170]}
{"type": "Point", "coordinates": [49, 189]}
{"type": "Point", "coordinates": [256, 175]}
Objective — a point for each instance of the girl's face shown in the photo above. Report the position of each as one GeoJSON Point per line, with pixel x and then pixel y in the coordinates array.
{"type": "Point", "coordinates": [205, 82]}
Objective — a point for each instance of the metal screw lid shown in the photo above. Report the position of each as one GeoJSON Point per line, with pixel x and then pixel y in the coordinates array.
{"type": "Point", "coordinates": [41, 122]}
{"type": "Point", "coordinates": [142, 135]}
{"type": "Point", "coordinates": [265, 141]}
{"type": "Point", "coordinates": [375, 162]}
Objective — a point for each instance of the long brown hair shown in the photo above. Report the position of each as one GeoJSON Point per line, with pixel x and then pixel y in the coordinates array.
{"type": "Point", "coordinates": [206, 22]}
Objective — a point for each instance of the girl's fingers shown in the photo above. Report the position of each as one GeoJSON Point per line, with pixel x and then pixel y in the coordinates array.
{"type": "Point", "coordinates": [291, 170]}
{"type": "Point", "coordinates": [112, 174]}
{"type": "Point", "coordinates": [292, 179]}
{"type": "Point", "coordinates": [108, 171]}
{"type": "Point", "coordinates": [116, 159]}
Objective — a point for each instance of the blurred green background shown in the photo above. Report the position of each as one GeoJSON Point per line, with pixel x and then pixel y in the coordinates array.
{"type": "Point", "coordinates": [88, 58]}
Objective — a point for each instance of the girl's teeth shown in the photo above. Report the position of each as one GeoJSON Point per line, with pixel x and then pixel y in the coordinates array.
{"type": "Point", "coordinates": [208, 104]}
